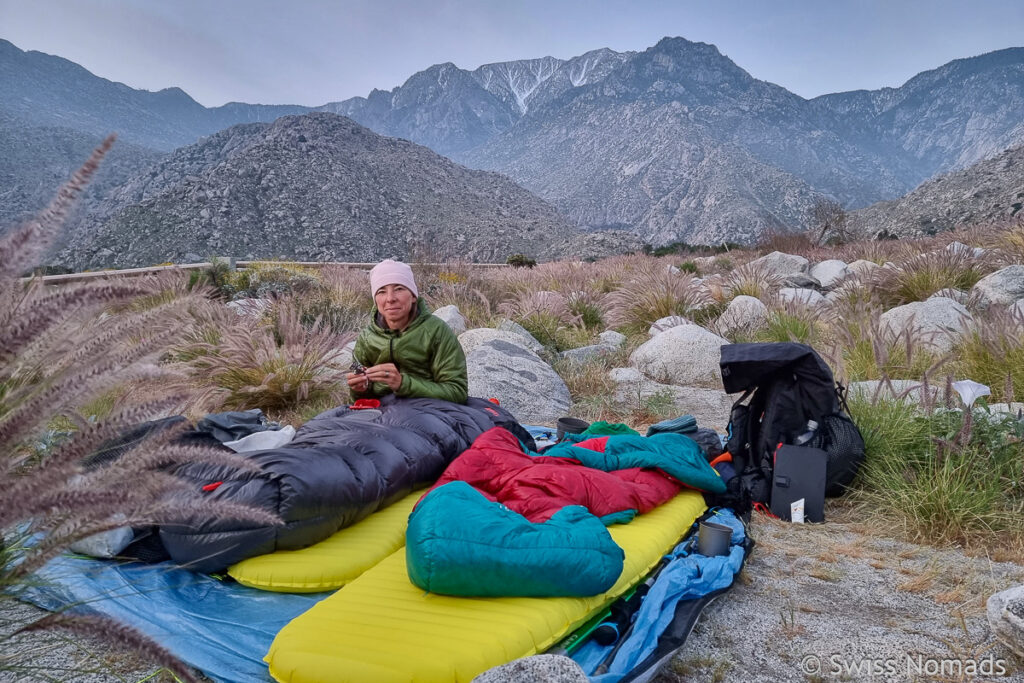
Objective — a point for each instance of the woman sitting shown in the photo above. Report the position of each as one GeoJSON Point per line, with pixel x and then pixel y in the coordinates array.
{"type": "Point", "coordinates": [406, 350]}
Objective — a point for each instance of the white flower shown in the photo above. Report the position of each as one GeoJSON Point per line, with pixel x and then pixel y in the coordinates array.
{"type": "Point", "coordinates": [970, 391]}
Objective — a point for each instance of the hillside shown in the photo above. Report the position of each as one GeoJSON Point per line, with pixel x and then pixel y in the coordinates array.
{"type": "Point", "coordinates": [313, 187]}
{"type": "Point", "coordinates": [988, 192]}
{"type": "Point", "coordinates": [35, 160]}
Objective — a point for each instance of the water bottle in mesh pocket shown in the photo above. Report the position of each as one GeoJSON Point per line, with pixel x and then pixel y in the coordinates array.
{"type": "Point", "coordinates": [839, 437]}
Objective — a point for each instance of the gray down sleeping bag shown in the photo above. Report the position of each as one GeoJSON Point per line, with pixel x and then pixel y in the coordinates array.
{"type": "Point", "coordinates": [337, 470]}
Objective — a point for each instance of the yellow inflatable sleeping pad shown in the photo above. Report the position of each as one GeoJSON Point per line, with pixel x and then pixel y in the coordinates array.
{"type": "Point", "coordinates": [334, 561]}
{"type": "Point", "coordinates": [381, 628]}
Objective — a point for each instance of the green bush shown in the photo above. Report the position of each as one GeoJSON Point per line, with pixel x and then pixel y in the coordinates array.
{"type": "Point", "coordinates": [520, 261]}
{"type": "Point", "coordinates": [948, 477]}
{"type": "Point", "coordinates": [552, 333]}
{"type": "Point", "coordinates": [792, 325]}
{"type": "Point", "coordinates": [993, 354]}
{"type": "Point", "coordinates": [689, 267]}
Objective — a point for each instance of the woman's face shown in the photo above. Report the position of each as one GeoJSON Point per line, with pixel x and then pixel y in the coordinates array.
{"type": "Point", "coordinates": [395, 304]}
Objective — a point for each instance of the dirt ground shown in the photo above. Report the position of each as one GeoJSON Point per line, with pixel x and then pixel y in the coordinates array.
{"type": "Point", "coordinates": [839, 602]}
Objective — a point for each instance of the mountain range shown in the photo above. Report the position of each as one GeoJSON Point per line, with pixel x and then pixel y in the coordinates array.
{"type": "Point", "coordinates": [674, 143]}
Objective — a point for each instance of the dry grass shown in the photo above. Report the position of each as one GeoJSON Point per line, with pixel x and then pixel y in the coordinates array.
{"type": "Point", "coordinates": [921, 581]}
{"type": "Point", "coordinates": [651, 293]}
{"type": "Point", "coordinates": [63, 350]}
{"type": "Point", "coordinates": [276, 364]}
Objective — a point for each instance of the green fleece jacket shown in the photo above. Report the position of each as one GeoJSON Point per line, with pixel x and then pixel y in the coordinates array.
{"type": "Point", "coordinates": [427, 353]}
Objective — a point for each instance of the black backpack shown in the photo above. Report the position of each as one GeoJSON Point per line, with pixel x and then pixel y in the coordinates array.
{"type": "Point", "coordinates": [787, 384]}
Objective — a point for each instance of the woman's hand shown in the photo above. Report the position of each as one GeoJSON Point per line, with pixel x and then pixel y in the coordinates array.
{"type": "Point", "coordinates": [385, 373]}
{"type": "Point", "coordinates": [357, 381]}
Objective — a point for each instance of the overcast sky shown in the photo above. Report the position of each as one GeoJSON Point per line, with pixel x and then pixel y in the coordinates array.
{"type": "Point", "coordinates": [316, 51]}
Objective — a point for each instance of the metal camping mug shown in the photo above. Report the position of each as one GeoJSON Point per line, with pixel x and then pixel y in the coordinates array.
{"type": "Point", "coordinates": [570, 425]}
{"type": "Point", "coordinates": [713, 539]}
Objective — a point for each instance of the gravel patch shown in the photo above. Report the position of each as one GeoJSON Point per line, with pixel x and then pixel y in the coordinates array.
{"type": "Point", "coordinates": [57, 656]}
{"type": "Point", "coordinates": [834, 601]}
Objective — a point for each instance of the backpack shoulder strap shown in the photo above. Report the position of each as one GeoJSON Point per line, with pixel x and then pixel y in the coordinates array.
{"type": "Point", "coordinates": [841, 394]}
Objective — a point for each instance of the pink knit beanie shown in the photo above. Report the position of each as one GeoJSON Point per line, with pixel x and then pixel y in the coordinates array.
{"type": "Point", "coordinates": [389, 272]}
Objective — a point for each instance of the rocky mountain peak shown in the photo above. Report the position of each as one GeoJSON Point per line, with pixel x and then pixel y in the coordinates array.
{"type": "Point", "coordinates": [516, 82]}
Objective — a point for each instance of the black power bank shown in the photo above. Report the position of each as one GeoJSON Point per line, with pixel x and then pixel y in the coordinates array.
{"type": "Point", "coordinates": [799, 473]}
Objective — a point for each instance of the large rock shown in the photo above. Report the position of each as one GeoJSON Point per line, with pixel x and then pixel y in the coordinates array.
{"type": "Point", "coordinates": [960, 248]}
{"type": "Point", "coordinates": [452, 317]}
{"type": "Point", "coordinates": [957, 295]}
{"type": "Point", "coordinates": [612, 338]}
{"type": "Point", "coordinates": [470, 339]}
{"type": "Point", "coordinates": [830, 273]}
{"type": "Point", "coordinates": [781, 265]}
{"type": "Point", "coordinates": [687, 355]}
{"type": "Point", "coordinates": [800, 281]}
{"type": "Point", "coordinates": [1005, 612]}
{"type": "Point", "coordinates": [585, 353]}
{"type": "Point", "coordinates": [803, 297]}
{"type": "Point", "coordinates": [936, 323]}
{"type": "Point", "coordinates": [1015, 408]}
{"type": "Point", "coordinates": [535, 669]}
{"type": "Point", "coordinates": [522, 382]}
{"type": "Point", "coordinates": [710, 407]}
{"type": "Point", "coordinates": [862, 268]}
{"type": "Point", "coordinates": [667, 323]}
{"type": "Point", "coordinates": [744, 313]}
{"type": "Point", "coordinates": [906, 390]}
{"type": "Point", "coordinates": [1003, 287]}
{"type": "Point", "coordinates": [250, 307]}
{"type": "Point", "coordinates": [342, 358]}
{"type": "Point", "coordinates": [516, 328]}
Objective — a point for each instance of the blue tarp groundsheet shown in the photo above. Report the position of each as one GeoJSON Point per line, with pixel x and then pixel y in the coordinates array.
{"type": "Point", "coordinates": [219, 627]}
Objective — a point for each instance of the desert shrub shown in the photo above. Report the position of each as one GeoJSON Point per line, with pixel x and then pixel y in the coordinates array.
{"type": "Point", "coordinates": [348, 286]}
{"type": "Point", "coordinates": [651, 293]}
{"type": "Point", "coordinates": [751, 280]}
{"type": "Point", "coordinates": [865, 349]}
{"type": "Point", "coordinates": [547, 316]}
{"type": "Point", "coordinates": [919, 276]}
{"type": "Point", "coordinates": [723, 264]}
{"type": "Point", "coordinates": [791, 323]}
{"type": "Point", "coordinates": [63, 351]}
{"type": "Point", "coordinates": [1009, 243]}
{"type": "Point", "coordinates": [587, 308]}
{"type": "Point", "coordinates": [324, 309]}
{"type": "Point", "coordinates": [992, 353]}
{"type": "Point", "coordinates": [475, 291]}
{"type": "Point", "coordinates": [265, 279]}
{"type": "Point", "coordinates": [276, 363]}
{"type": "Point", "coordinates": [705, 315]}
{"type": "Point", "coordinates": [689, 267]}
{"type": "Point", "coordinates": [951, 476]}
{"type": "Point", "coordinates": [593, 391]}
{"type": "Point", "coordinates": [520, 261]}
{"type": "Point", "coordinates": [217, 276]}
{"type": "Point", "coordinates": [786, 242]}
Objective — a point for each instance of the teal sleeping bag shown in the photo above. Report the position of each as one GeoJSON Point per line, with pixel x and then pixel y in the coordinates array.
{"type": "Point", "coordinates": [460, 543]}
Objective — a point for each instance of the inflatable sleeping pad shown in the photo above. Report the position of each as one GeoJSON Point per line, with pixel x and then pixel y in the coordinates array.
{"type": "Point", "coordinates": [381, 628]}
{"type": "Point", "coordinates": [333, 562]}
